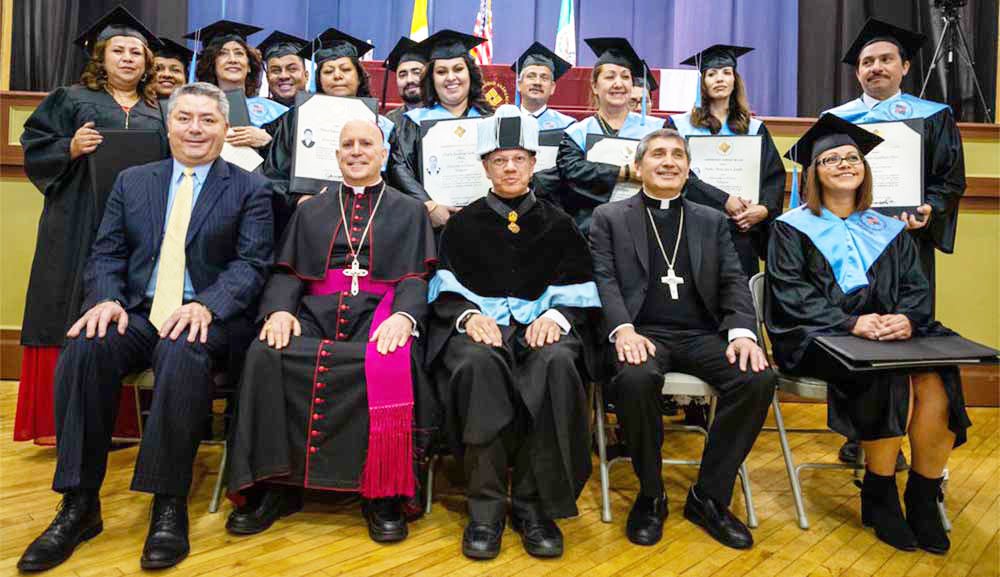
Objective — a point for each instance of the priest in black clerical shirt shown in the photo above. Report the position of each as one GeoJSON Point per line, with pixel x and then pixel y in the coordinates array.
{"type": "Point", "coordinates": [675, 299]}
{"type": "Point", "coordinates": [512, 303]}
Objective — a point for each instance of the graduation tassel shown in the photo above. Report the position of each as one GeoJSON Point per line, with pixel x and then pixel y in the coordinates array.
{"type": "Point", "coordinates": [194, 58]}
{"type": "Point", "coordinates": [793, 200]}
{"type": "Point", "coordinates": [517, 83]}
{"type": "Point", "coordinates": [697, 92]}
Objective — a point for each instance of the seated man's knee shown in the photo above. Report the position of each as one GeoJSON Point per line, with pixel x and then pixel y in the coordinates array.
{"type": "Point", "coordinates": [173, 352]}
{"type": "Point", "coordinates": [636, 381]}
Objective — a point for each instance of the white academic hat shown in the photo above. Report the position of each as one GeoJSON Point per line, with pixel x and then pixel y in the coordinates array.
{"type": "Point", "coordinates": [507, 129]}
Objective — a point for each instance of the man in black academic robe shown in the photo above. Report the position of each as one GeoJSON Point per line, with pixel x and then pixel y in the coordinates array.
{"type": "Point", "coordinates": [312, 410]}
{"type": "Point", "coordinates": [675, 299]}
{"type": "Point", "coordinates": [509, 340]}
{"type": "Point", "coordinates": [881, 55]}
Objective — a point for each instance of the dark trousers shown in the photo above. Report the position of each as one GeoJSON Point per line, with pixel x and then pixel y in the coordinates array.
{"type": "Point", "coordinates": [88, 381]}
{"type": "Point", "coordinates": [743, 400]}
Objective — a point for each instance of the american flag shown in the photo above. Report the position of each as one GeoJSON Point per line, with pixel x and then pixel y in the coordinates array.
{"type": "Point", "coordinates": [483, 53]}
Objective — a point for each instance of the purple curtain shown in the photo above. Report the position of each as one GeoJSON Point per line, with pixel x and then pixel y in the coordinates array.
{"type": "Point", "coordinates": [664, 32]}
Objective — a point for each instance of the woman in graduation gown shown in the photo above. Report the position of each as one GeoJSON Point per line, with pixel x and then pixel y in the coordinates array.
{"type": "Point", "coordinates": [722, 109]}
{"type": "Point", "coordinates": [230, 63]}
{"type": "Point", "coordinates": [591, 183]}
{"type": "Point", "coordinates": [340, 74]}
{"type": "Point", "coordinates": [114, 93]}
{"type": "Point", "coordinates": [836, 267]}
{"type": "Point", "coordinates": [452, 86]}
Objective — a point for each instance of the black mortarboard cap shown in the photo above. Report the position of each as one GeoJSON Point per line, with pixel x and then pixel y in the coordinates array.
{"type": "Point", "coordinates": [405, 50]}
{"type": "Point", "coordinates": [223, 31]}
{"type": "Point", "coordinates": [646, 76]}
{"type": "Point", "coordinates": [615, 51]}
{"type": "Point", "coordinates": [170, 49]}
{"type": "Point", "coordinates": [717, 56]}
{"type": "Point", "coordinates": [117, 22]}
{"type": "Point", "coordinates": [538, 55]}
{"type": "Point", "coordinates": [909, 43]}
{"type": "Point", "coordinates": [447, 43]}
{"type": "Point", "coordinates": [830, 131]}
{"type": "Point", "coordinates": [332, 44]}
{"type": "Point", "coordinates": [279, 44]}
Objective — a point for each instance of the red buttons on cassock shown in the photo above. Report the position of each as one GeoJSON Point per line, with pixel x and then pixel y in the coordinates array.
{"type": "Point", "coordinates": [356, 217]}
{"type": "Point", "coordinates": [315, 433]}
{"type": "Point", "coordinates": [320, 385]}
{"type": "Point", "coordinates": [355, 229]}
{"type": "Point", "coordinates": [317, 416]}
{"type": "Point", "coordinates": [343, 321]}
{"type": "Point", "coordinates": [313, 449]}
{"type": "Point", "coordinates": [318, 401]}
{"type": "Point", "coordinates": [324, 353]}
{"type": "Point", "coordinates": [323, 369]}
{"type": "Point", "coordinates": [343, 307]}
{"type": "Point", "coordinates": [341, 335]}
{"type": "Point", "coordinates": [354, 239]}
{"type": "Point", "coordinates": [346, 293]}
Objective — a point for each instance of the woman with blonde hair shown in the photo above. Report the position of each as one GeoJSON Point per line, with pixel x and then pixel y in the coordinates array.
{"type": "Point", "coordinates": [114, 93]}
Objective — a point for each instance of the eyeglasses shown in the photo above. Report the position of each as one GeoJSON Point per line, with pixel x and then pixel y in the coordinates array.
{"type": "Point", "coordinates": [500, 161]}
{"type": "Point", "coordinates": [835, 159]}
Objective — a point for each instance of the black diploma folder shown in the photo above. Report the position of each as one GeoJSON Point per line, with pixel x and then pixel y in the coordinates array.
{"type": "Point", "coordinates": [861, 355]}
{"type": "Point", "coordinates": [119, 150]}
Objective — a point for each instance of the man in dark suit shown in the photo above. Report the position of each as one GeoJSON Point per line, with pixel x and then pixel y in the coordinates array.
{"type": "Point", "coordinates": [675, 299]}
{"type": "Point", "coordinates": [180, 258]}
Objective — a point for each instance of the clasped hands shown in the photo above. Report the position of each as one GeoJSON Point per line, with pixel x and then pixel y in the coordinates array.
{"type": "Point", "coordinates": [247, 136]}
{"type": "Point", "coordinates": [745, 214]}
{"type": "Point", "coordinates": [878, 327]}
{"type": "Point", "coordinates": [635, 349]}
{"type": "Point", "coordinates": [193, 316]}
{"type": "Point", "coordinates": [392, 334]}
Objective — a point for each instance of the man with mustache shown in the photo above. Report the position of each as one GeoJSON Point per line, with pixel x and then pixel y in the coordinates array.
{"type": "Point", "coordinates": [881, 55]}
{"type": "Point", "coordinates": [675, 299]}
{"type": "Point", "coordinates": [406, 62]}
{"type": "Point", "coordinates": [285, 68]}
{"type": "Point", "coordinates": [170, 68]}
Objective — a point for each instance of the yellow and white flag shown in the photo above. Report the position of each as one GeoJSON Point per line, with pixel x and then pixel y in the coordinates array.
{"type": "Point", "coordinates": [418, 24]}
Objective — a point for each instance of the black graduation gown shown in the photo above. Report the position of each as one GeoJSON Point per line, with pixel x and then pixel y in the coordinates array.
{"type": "Point", "coordinates": [944, 185]}
{"type": "Point", "coordinates": [803, 300]}
{"type": "Point", "coordinates": [69, 220]}
{"type": "Point", "coordinates": [548, 250]}
{"type": "Point", "coordinates": [277, 167]}
{"type": "Point", "coordinates": [303, 411]}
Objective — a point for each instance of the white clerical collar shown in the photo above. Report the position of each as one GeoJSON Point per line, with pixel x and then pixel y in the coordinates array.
{"type": "Point", "coordinates": [536, 113]}
{"type": "Point", "coordinates": [359, 190]}
{"type": "Point", "coordinates": [871, 101]}
{"type": "Point", "coordinates": [664, 202]}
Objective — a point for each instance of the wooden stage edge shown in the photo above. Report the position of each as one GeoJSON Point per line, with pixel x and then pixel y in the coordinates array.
{"type": "Point", "coordinates": [980, 383]}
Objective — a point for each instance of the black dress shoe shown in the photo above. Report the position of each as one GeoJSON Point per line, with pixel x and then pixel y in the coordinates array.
{"type": "Point", "coordinates": [79, 519]}
{"type": "Point", "coordinates": [848, 453]}
{"type": "Point", "coordinates": [645, 521]}
{"type": "Point", "coordinates": [922, 515]}
{"type": "Point", "coordinates": [718, 521]}
{"type": "Point", "coordinates": [540, 537]}
{"type": "Point", "coordinates": [482, 540]}
{"type": "Point", "coordinates": [167, 541]}
{"type": "Point", "coordinates": [880, 509]}
{"type": "Point", "coordinates": [256, 515]}
{"type": "Point", "coordinates": [386, 520]}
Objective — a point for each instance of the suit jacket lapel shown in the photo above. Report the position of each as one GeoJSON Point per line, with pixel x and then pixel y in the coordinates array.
{"type": "Point", "coordinates": [635, 217]}
{"type": "Point", "coordinates": [214, 185]}
{"type": "Point", "coordinates": [692, 227]}
{"type": "Point", "coordinates": [158, 199]}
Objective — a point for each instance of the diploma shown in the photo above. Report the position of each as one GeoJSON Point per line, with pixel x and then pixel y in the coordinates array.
{"type": "Point", "coordinates": [318, 122]}
{"type": "Point", "coordinates": [729, 163]}
{"type": "Point", "coordinates": [897, 166]}
{"type": "Point", "coordinates": [244, 157]}
{"type": "Point", "coordinates": [451, 171]}
{"type": "Point", "coordinates": [616, 151]}
{"type": "Point", "coordinates": [119, 150]}
{"type": "Point", "coordinates": [548, 149]}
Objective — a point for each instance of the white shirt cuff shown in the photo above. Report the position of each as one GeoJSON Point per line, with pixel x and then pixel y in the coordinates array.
{"type": "Point", "coordinates": [737, 333]}
{"type": "Point", "coordinates": [461, 319]}
{"type": "Point", "coordinates": [558, 318]}
{"type": "Point", "coordinates": [611, 337]}
{"type": "Point", "coordinates": [415, 333]}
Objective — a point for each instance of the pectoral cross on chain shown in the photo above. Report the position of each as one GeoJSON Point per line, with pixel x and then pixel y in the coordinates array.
{"type": "Point", "coordinates": [671, 279]}
{"type": "Point", "coordinates": [356, 272]}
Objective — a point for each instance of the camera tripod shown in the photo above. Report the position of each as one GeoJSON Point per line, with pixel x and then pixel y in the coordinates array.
{"type": "Point", "coordinates": [952, 34]}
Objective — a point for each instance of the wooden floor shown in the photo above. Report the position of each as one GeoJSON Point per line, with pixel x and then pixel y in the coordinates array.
{"type": "Point", "coordinates": [329, 537]}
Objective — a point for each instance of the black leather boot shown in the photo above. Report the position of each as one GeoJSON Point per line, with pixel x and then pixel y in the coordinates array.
{"type": "Point", "coordinates": [167, 540]}
{"type": "Point", "coordinates": [921, 497]}
{"type": "Point", "coordinates": [880, 509]}
{"type": "Point", "coordinates": [79, 519]}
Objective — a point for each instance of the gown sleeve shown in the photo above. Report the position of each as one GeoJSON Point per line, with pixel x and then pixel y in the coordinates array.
{"type": "Point", "coordinates": [772, 191]}
{"type": "Point", "coordinates": [45, 141]}
{"type": "Point", "coordinates": [590, 180]}
{"type": "Point", "coordinates": [795, 309]}
{"type": "Point", "coordinates": [404, 159]}
{"type": "Point", "coordinates": [277, 168]}
{"type": "Point", "coordinates": [944, 180]}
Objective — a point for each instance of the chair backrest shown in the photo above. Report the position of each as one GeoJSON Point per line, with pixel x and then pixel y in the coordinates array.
{"type": "Point", "coordinates": [757, 291]}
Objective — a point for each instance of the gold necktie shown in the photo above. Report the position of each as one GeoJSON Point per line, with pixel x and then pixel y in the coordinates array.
{"type": "Point", "coordinates": [169, 293]}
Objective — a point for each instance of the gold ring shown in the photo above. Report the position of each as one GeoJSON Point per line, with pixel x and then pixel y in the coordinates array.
{"type": "Point", "coordinates": [627, 348]}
